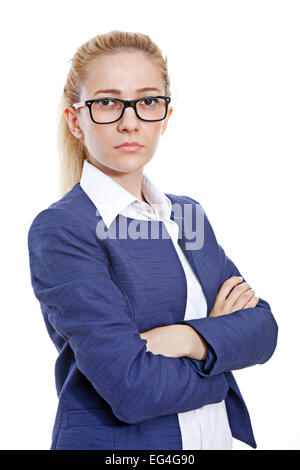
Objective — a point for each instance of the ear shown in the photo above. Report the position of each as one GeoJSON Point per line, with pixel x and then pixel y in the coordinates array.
{"type": "Point", "coordinates": [73, 122]}
{"type": "Point", "coordinates": [170, 110]}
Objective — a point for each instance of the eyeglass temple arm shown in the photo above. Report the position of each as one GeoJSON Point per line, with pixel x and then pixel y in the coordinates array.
{"type": "Point", "coordinates": [81, 104]}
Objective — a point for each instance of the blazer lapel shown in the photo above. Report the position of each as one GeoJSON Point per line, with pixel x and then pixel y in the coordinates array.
{"type": "Point", "coordinates": [196, 257]}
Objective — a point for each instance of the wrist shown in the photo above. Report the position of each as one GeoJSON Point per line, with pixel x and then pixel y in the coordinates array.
{"type": "Point", "coordinates": [196, 346]}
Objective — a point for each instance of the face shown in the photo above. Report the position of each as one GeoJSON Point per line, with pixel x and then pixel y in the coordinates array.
{"type": "Point", "coordinates": [126, 72]}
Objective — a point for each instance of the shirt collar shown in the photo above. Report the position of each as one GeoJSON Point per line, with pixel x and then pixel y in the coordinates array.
{"type": "Point", "coordinates": [110, 198]}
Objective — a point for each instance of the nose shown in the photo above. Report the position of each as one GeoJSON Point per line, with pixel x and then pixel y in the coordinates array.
{"type": "Point", "coordinates": [129, 120]}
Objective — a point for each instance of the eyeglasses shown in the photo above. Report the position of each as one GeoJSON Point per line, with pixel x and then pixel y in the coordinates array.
{"type": "Point", "coordinates": [149, 108]}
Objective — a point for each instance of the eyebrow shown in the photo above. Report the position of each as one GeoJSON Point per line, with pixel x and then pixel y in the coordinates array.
{"type": "Point", "coordinates": [118, 92]}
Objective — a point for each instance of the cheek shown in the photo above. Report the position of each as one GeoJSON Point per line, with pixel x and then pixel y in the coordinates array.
{"type": "Point", "coordinates": [100, 139]}
{"type": "Point", "coordinates": [154, 133]}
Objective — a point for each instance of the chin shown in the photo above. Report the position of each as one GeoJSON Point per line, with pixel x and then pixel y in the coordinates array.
{"type": "Point", "coordinates": [129, 163]}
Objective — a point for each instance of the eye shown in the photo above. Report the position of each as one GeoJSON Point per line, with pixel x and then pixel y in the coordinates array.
{"type": "Point", "coordinates": [147, 100]}
{"type": "Point", "coordinates": [103, 102]}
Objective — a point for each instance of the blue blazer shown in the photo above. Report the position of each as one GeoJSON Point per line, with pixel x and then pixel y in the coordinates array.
{"type": "Point", "coordinates": [98, 294]}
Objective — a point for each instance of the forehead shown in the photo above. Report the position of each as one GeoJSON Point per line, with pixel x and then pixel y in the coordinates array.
{"type": "Point", "coordinates": [124, 71]}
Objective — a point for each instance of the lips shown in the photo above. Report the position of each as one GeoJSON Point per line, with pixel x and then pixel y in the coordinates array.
{"type": "Point", "coordinates": [129, 145]}
{"type": "Point", "coordinates": [129, 148]}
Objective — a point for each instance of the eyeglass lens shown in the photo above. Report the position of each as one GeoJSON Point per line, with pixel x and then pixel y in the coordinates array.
{"type": "Point", "coordinates": [108, 109]}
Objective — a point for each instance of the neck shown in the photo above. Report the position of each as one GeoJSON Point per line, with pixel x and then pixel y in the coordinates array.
{"type": "Point", "coordinates": [132, 182]}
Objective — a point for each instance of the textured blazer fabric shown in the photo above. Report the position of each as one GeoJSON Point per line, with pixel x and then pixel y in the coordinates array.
{"type": "Point", "coordinates": [98, 294]}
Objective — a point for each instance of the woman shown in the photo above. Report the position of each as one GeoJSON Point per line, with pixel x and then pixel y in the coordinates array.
{"type": "Point", "coordinates": [148, 325]}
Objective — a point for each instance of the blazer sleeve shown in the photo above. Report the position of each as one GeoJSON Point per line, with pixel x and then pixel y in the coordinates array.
{"type": "Point", "coordinates": [241, 339]}
{"type": "Point", "coordinates": [71, 278]}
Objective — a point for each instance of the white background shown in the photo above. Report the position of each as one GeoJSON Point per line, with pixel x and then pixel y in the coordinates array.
{"type": "Point", "coordinates": [232, 143]}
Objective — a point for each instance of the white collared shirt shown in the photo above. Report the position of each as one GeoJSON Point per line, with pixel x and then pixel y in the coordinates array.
{"type": "Point", "coordinates": [206, 427]}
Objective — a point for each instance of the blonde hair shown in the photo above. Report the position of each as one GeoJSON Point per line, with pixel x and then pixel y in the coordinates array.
{"type": "Point", "coordinates": [72, 151]}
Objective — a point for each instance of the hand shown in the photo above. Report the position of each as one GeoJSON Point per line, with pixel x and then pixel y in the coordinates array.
{"type": "Point", "coordinates": [233, 295]}
{"type": "Point", "coordinates": [170, 340]}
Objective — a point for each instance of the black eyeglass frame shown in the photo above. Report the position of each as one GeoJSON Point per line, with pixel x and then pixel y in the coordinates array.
{"type": "Point", "coordinates": [126, 104]}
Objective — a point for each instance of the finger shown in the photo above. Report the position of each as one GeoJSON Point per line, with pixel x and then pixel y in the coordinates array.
{"type": "Point", "coordinates": [252, 302]}
{"type": "Point", "coordinates": [227, 286]}
{"type": "Point", "coordinates": [243, 299]}
{"type": "Point", "coordinates": [237, 292]}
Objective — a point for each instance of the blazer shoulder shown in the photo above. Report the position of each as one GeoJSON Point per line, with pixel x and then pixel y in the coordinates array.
{"type": "Point", "coordinates": [182, 199]}
{"type": "Point", "coordinates": [199, 211]}
{"type": "Point", "coordinates": [62, 211]}
{"type": "Point", "coordinates": [54, 217]}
